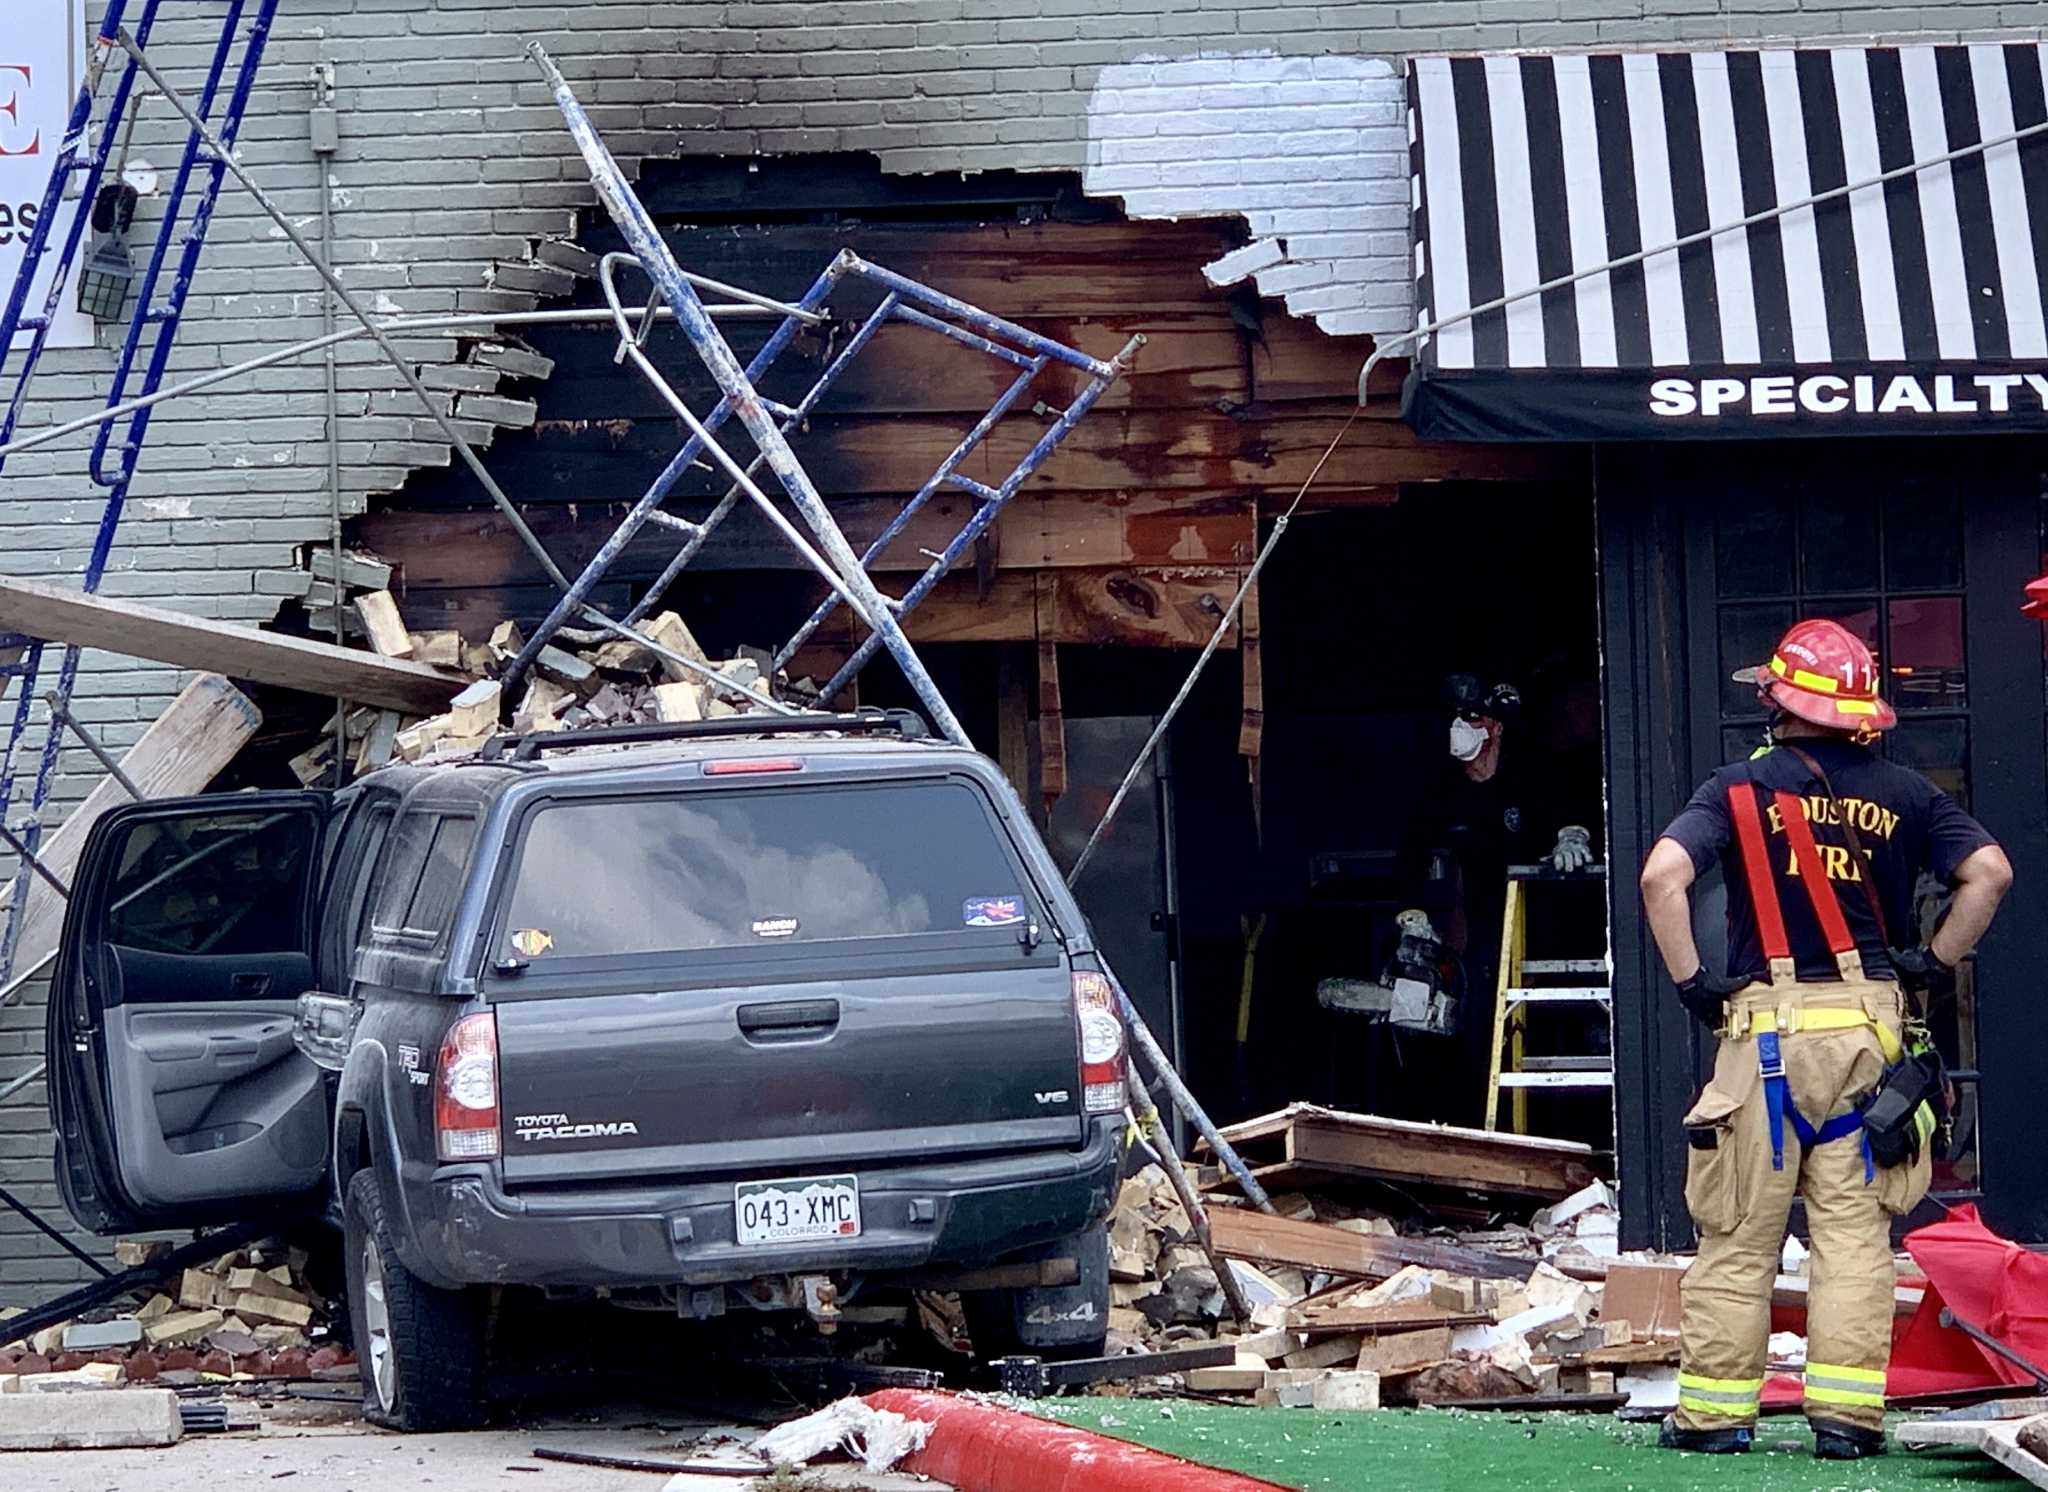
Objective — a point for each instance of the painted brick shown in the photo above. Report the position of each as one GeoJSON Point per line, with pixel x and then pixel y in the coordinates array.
{"type": "Point", "coordinates": [1283, 115]}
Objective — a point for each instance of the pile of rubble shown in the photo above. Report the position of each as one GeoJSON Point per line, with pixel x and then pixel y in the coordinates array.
{"type": "Point", "coordinates": [584, 677]}
{"type": "Point", "coordinates": [249, 1314]}
{"type": "Point", "coordinates": [1361, 1296]}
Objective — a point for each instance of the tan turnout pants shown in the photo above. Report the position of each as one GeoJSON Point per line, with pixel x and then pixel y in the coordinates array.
{"type": "Point", "coordinates": [1741, 1206]}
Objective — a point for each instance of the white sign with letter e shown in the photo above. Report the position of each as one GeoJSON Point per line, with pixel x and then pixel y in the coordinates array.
{"type": "Point", "coordinates": [42, 61]}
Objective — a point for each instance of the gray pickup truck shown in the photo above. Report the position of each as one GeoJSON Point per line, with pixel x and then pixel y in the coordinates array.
{"type": "Point", "coordinates": [754, 1014]}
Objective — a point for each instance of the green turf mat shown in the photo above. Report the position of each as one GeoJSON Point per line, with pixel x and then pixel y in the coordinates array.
{"type": "Point", "coordinates": [1450, 1451]}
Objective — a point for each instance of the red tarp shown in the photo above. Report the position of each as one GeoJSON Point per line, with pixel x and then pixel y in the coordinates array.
{"type": "Point", "coordinates": [1987, 1281]}
{"type": "Point", "coordinates": [2036, 604]}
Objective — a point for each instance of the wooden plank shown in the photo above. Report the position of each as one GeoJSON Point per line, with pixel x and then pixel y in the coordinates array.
{"type": "Point", "coordinates": [1401, 1316]}
{"type": "Point", "coordinates": [1191, 357]}
{"type": "Point", "coordinates": [1241, 1233]}
{"type": "Point", "coordinates": [443, 550]}
{"type": "Point", "coordinates": [198, 733]}
{"type": "Point", "coordinates": [1439, 1155]}
{"type": "Point", "coordinates": [1248, 449]}
{"type": "Point", "coordinates": [1139, 608]}
{"type": "Point", "coordinates": [379, 611]}
{"type": "Point", "coordinates": [1052, 725]}
{"type": "Point", "coordinates": [1294, 360]}
{"type": "Point", "coordinates": [134, 630]}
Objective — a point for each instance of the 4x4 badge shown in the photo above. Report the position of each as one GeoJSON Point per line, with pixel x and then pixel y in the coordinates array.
{"type": "Point", "coordinates": [775, 927]}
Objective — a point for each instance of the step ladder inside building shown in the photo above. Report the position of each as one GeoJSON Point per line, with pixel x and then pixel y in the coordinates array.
{"type": "Point", "coordinates": [1544, 1006]}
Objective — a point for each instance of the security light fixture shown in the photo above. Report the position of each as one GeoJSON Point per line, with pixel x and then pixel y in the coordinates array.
{"type": "Point", "coordinates": [109, 271]}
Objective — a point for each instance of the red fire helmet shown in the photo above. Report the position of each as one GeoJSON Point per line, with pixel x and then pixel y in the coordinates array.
{"type": "Point", "coordinates": [1822, 672]}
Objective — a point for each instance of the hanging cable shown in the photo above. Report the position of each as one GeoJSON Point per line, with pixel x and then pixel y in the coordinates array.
{"type": "Point", "coordinates": [1223, 627]}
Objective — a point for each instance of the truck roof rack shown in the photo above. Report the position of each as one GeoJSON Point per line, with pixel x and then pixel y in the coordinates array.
{"type": "Point", "coordinates": [904, 724]}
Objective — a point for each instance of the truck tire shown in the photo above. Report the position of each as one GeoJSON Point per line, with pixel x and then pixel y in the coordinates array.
{"type": "Point", "coordinates": [1055, 1322]}
{"type": "Point", "coordinates": [420, 1348]}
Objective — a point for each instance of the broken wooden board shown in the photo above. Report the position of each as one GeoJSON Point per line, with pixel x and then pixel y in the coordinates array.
{"type": "Point", "coordinates": [1337, 1143]}
{"type": "Point", "coordinates": [1240, 1233]}
{"type": "Point", "coordinates": [2000, 1439]}
{"type": "Point", "coordinates": [198, 733]}
{"type": "Point", "coordinates": [1401, 1316]}
{"type": "Point", "coordinates": [133, 629]}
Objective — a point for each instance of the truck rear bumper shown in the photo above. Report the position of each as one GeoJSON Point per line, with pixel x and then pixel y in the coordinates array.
{"type": "Point", "coordinates": [470, 1230]}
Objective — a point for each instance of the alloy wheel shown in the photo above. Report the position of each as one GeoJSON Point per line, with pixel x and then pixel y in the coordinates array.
{"type": "Point", "coordinates": [377, 1329]}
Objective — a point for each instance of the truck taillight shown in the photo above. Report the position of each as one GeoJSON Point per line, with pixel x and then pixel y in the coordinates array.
{"type": "Point", "coordinates": [1102, 1043]}
{"type": "Point", "coordinates": [466, 1090]}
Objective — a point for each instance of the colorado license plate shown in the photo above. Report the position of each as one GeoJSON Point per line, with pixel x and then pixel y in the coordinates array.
{"type": "Point", "coordinates": [798, 1210]}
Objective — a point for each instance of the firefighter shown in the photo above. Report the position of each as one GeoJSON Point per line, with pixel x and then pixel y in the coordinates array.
{"type": "Point", "coordinates": [1821, 841]}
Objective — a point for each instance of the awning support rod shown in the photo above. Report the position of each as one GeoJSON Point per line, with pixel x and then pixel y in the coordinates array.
{"type": "Point", "coordinates": [1762, 215]}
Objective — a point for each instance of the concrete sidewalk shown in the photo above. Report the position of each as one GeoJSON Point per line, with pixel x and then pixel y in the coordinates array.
{"type": "Point", "coordinates": [327, 1447]}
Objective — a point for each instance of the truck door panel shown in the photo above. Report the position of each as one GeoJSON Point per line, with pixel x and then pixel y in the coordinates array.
{"type": "Point", "coordinates": [177, 1093]}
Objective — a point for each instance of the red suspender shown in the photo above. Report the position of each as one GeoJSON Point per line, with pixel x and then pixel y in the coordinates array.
{"type": "Point", "coordinates": [1763, 888]}
{"type": "Point", "coordinates": [1756, 864]}
{"type": "Point", "coordinates": [1826, 908]}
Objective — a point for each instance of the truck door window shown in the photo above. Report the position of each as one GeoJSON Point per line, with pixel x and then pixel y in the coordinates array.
{"type": "Point", "coordinates": [229, 884]}
{"type": "Point", "coordinates": [742, 868]}
{"type": "Point", "coordinates": [428, 855]}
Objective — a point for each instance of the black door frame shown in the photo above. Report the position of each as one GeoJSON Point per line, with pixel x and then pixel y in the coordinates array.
{"type": "Point", "coordinates": [1660, 687]}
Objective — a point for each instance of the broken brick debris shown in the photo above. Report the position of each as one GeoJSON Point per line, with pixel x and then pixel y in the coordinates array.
{"type": "Point", "coordinates": [249, 1314]}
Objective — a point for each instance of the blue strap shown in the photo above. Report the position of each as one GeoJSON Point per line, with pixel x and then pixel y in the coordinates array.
{"type": "Point", "coordinates": [1771, 1063]}
{"type": "Point", "coordinates": [1778, 1105]}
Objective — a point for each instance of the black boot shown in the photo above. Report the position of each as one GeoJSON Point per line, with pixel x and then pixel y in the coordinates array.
{"type": "Point", "coordinates": [1834, 1441]}
{"type": "Point", "coordinates": [1675, 1437]}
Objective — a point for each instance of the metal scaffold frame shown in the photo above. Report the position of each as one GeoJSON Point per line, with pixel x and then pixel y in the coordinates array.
{"type": "Point", "coordinates": [768, 422]}
{"type": "Point", "coordinates": [89, 147]}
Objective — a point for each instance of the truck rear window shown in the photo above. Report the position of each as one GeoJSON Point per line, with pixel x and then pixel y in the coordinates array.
{"type": "Point", "coordinates": [757, 867]}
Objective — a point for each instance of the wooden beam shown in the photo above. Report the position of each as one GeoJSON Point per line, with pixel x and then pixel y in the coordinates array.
{"type": "Point", "coordinates": [1439, 1155]}
{"type": "Point", "coordinates": [1241, 1233]}
{"type": "Point", "coordinates": [198, 733]}
{"type": "Point", "coordinates": [60, 614]}
{"type": "Point", "coordinates": [447, 550]}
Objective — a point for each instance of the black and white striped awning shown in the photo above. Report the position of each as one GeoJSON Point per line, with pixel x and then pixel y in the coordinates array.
{"type": "Point", "coordinates": [1912, 305]}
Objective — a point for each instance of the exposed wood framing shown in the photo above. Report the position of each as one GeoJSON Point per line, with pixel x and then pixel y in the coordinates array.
{"type": "Point", "coordinates": [1052, 724]}
{"type": "Point", "coordinates": [1332, 1143]}
{"type": "Point", "coordinates": [134, 630]}
{"type": "Point", "coordinates": [1241, 1233]}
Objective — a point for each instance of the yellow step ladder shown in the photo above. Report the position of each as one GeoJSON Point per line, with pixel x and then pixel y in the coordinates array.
{"type": "Point", "coordinates": [1531, 986]}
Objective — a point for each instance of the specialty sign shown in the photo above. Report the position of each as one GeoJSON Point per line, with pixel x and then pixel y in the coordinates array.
{"type": "Point", "coordinates": [42, 48]}
{"type": "Point", "coordinates": [1899, 394]}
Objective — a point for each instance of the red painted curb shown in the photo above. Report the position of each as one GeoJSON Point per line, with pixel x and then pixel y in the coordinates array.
{"type": "Point", "coordinates": [981, 1448]}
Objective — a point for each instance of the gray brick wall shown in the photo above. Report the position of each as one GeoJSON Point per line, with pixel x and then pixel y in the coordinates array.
{"type": "Point", "coordinates": [453, 170]}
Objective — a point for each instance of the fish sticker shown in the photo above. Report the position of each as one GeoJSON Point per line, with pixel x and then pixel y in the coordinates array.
{"type": "Point", "coordinates": [992, 911]}
{"type": "Point", "coordinates": [532, 942]}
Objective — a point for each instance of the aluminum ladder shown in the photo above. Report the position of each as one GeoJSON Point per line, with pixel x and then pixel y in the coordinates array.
{"type": "Point", "coordinates": [93, 137]}
{"type": "Point", "coordinates": [769, 421]}
{"type": "Point", "coordinates": [1529, 986]}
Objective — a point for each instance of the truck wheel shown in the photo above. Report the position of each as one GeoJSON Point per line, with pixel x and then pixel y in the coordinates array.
{"type": "Point", "coordinates": [421, 1349]}
{"type": "Point", "coordinates": [1055, 1322]}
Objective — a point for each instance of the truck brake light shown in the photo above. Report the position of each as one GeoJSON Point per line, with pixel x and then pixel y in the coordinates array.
{"type": "Point", "coordinates": [1102, 1043]}
{"type": "Point", "coordinates": [751, 766]}
{"type": "Point", "coordinates": [466, 1090]}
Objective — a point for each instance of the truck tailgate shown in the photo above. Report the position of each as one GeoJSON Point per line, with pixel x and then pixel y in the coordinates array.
{"type": "Point", "coordinates": [790, 1078]}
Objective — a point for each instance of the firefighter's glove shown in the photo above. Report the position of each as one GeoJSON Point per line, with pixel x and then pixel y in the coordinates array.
{"type": "Point", "coordinates": [1706, 996]}
{"type": "Point", "coordinates": [1921, 969]}
{"type": "Point", "coordinates": [1573, 851]}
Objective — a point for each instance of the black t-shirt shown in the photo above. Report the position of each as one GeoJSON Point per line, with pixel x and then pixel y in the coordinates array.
{"type": "Point", "coordinates": [1905, 823]}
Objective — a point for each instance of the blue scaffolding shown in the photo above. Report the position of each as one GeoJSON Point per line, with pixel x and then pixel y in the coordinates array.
{"type": "Point", "coordinates": [94, 138]}
{"type": "Point", "coordinates": [768, 422]}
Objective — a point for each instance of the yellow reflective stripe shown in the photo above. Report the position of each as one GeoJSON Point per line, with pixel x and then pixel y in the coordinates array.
{"type": "Point", "coordinates": [1749, 1386]}
{"type": "Point", "coordinates": [1845, 1375]}
{"type": "Point", "coordinates": [1819, 683]}
{"type": "Point", "coordinates": [1856, 706]}
{"type": "Point", "coordinates": [1698, 1405]}
{"type": "Point", "coordinates": [1831, 1383]}
{"type": "Point", "coordinates": [1818, 1395]}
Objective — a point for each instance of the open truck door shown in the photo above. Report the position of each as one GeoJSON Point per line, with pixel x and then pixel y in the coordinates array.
{"type": "Point", "coordinates": [177, 1094]}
